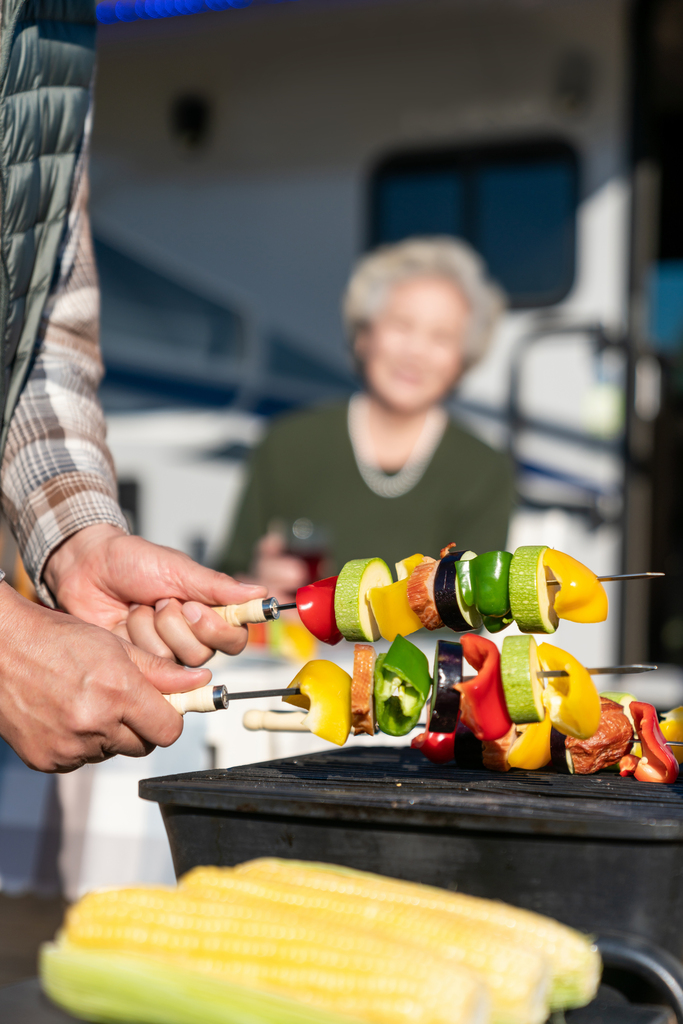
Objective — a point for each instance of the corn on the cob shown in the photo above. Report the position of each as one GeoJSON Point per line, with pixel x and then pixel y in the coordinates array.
{"type": "Point", "coordinates": [575, 963]}
{"type": "Point", "coordinates": [260, 945]}
{"type": "Point", "coordinates": [518, 979]}
{"type": "Point", "coordinates": [111, 987]}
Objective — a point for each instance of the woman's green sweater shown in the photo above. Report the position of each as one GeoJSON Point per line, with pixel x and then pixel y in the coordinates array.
{"type": "Point", "coordinates": [305, 467]}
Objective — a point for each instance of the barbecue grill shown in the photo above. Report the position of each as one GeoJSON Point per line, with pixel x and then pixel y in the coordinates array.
{"type": "Point", "coordinates": [600, 853]}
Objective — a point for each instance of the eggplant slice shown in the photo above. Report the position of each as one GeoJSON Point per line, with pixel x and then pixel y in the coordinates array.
{"type": "Point", "coordinates": [446, 593]}
{"type": "Point", "coordinates": [445, 703]}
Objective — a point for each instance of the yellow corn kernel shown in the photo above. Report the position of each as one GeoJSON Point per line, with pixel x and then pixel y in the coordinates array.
{"type": "Point", "coordinates": [258, 944]}
{"type": "Point", "coordinates": [518, 979]}
{"type": "Point", "coordinates": [575, 964]}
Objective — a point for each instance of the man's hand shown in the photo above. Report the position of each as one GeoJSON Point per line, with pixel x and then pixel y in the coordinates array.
{"type": "Point", "coordinates": [154, 596]}
{"type": "Point", "coordinates": [71, 693]}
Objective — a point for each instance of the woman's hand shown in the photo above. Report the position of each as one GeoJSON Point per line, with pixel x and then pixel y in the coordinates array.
{"type": "Point", "coordinates": [154, 596]}
{"type": "Point", "coordinates": [280, 573]}
{"type": "Point", "coordinates": [72, 694]}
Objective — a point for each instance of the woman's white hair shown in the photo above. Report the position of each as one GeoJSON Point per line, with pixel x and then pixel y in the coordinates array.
{"type": "Point", "coordinates": [377, 273]}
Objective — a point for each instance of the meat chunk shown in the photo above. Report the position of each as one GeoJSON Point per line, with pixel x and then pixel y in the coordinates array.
{"type": "Point", "coordinates": [607, 746]}
{"type": "Point", "coordinates": [495, 752]}
{"type": "Point", "coordinates": [362, 689]}
{"type": "Point", "coordinates": [421, 593]}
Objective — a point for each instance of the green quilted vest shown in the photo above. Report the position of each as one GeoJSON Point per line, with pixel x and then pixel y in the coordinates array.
{"type": "Point", "coordinates": [46, 66]}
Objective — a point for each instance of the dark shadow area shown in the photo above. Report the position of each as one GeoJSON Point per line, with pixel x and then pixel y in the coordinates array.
{"type": "Point", "coordinates": [25, 922]}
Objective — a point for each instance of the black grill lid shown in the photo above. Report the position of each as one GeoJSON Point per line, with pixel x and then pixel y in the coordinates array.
{"type": "Point", "coordinates": [397, 786]}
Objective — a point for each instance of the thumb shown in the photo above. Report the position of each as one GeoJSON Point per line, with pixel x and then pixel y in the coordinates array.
{"type": "Point", "coordinates": [165, 675]}
{"type": "Point", "coordinates": [194, 582]}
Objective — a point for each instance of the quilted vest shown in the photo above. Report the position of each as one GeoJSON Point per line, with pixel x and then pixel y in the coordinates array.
{"type": "Point", "coordinates": [47, 56]}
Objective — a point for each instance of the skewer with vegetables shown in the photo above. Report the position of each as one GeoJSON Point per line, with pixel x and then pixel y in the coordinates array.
{"type": "Point", "coordinates": [534, 587]}
{"type": "Point", "coordinates": [523, 709]}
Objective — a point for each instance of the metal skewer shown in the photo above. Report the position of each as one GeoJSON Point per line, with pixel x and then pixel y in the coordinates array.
{"type": "Point", "coordinates": [292, 691]}
{"type": "Point", "coordinates": [552, 582]}
{"type": "Point", "coordinates": [614, 670]}
{"type": "Point", "coordinates": [630, 576]}
{"type": "Point", "coordinates": [269, 609]}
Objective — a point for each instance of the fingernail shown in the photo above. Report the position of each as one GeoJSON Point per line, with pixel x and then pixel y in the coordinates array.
{"type": "Point", "coordinates": [133, 607]}
{"type": "Point", "coordinates": [161, 604]}
{"type": "Point", "coordinates": [192, 611]}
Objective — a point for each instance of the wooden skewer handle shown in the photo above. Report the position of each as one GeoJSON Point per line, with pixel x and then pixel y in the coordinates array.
{"type": "Point", "coordinates": [275, 721]}
{"type": "Point", "coordinates": [206, 698]}
{"type": "Point", "coordinates": [252, 611]}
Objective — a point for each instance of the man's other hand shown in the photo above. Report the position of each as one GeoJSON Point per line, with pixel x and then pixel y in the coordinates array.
{"type": "Point", "coordinates": [71, 693]}
{"type": "Point", "coordinates": [156, 597]}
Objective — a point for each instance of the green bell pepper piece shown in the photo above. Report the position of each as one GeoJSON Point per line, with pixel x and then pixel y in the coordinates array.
{"type": "Point", "coordinates": [402, 685]}
{"type": "Point", "coordinates": [491, 578]}
{"type": "Point", "coordinates": [495, 625]}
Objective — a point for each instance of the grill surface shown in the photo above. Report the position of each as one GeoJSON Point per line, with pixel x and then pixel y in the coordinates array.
{"type": "Point", "coordinates": [392, 785]}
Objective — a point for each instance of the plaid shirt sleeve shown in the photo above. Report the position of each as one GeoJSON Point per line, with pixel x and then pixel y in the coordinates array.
{"type": "Point", "coordinates": [57, 474]}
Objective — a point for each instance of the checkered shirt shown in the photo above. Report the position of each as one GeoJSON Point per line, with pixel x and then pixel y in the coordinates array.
{"type": "Point", "coordinates": [57, 474]}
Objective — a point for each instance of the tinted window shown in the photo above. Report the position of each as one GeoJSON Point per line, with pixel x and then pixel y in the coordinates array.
{"type": "Point", "coordinates": [420, 204]}
{"type": "Point", "coordinates": [515, 204]}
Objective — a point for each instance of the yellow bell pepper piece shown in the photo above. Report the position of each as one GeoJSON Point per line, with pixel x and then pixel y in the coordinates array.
{"type": "Point", "coordinates": [672, 727]}
{"type": "Point", "coordinates": [392, 611]}
{"type": "Point", "coordinates": [531, 750]}
{"type": "Point", "coordinates": [406, 566]}
{"type": "Point", "coordinates": [326, 695]}
{"type": "Point", "coordinates": [572, 701]}
{"type": "Point", "coordinates": [581, 596]}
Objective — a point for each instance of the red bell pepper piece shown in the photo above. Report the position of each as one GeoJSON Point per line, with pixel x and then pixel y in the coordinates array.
{"type": "Point", "coordinates": [439, 747]}
{"type": "Point", "coordinates": [315, 605]}
{"type": "Point", "coordinates": [658, 763]}
{"type": "Point", "coordinates": [483, 708]}
{"type": "Point", "coordinates": [628, 764]}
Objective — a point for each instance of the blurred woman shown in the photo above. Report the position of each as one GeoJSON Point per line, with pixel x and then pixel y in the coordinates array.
{"type": "Point", "coordinates": [386, 473]}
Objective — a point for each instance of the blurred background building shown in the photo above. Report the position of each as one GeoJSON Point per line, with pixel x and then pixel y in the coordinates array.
{"type": "Point", "coordinates": [243, 159]}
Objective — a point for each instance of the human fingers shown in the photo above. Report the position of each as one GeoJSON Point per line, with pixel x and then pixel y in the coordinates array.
{"type": "Point", "coordinates": [165, 675]}
{"type": "Point", "coordinates": [214, 588]}
{"type": "Point", "coordinates": [175, 631]}
{"type": "Point", "coordinates": [147, 715]}
{"type": "Point", "coordinates": [142, 631]}
{"type": "Point", "coordinates": [132, 717]}
{"type": "Point", "coordinates": [120, 629]}
{"type": "Point", "coordinates": [116, 709]}
{"type": "Point", "coordinates": [173, 574]}
{"type": "Point", "coordinates": [212, 631]}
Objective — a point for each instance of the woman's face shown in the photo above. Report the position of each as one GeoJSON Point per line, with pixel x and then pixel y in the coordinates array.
{"type": "Point", "coordinates": [412, 353]}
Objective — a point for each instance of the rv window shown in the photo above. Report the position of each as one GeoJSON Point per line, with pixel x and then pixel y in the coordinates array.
{"type": "Point", "coordinates": [515, 204]}
{"type": "Point", "coordinates": [420, 204]}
